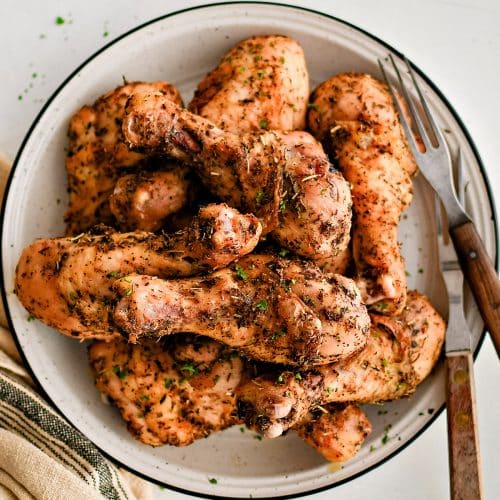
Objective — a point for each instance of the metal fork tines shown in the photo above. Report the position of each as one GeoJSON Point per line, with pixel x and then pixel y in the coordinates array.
{"type": "Point", "coordinates": [435, 161]}
{"type": "Point", "coordinates": [458, 336]}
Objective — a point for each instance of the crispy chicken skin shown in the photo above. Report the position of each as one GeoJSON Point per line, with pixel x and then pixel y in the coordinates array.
{"type": "Point", "coordinates": [283, 178]}
{"type": "Point", "coordinates": [143, 200]}
{"type": "Point", "coordinates": [335, 431]}
{"type": "Point", "coordinates": [400, 353]}
{"type": "Point", "coordinates": [184, 389]}
{"type": "Point", "coordinates": [269, 308]}
{"type": "Point", "coordinates": [353, 115]}
{"type": "Point", "coordinates": [97, 155]}
{"type": "Point", "coordinates": [67, 282]}
{"type": "Point", "coordinates": [261, 83]}
{"type": "Point", "coordinates": [169, 394]}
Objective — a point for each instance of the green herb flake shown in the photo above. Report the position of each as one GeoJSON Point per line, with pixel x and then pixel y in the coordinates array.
{"type": "Point", "coordinates": [372, 448]}
{"type": "Point", "coordinates": [407, 273]}
{"type": "Point", "coordinates": [167, 383]}
{"type": "Point", "coordinates": [242, 430]}
{"type": "Point", "coordinates": [329, 390]}
{"type": "Point", "coordinates": [385, 439]}
{"type": "Point", "coordinates": [60, 20]}
{"type": "Point", "coordinates": [31, 318]}
{"type": "Point", "coordinates": [259, 196]}
{"type": "Point", "coordinates": [105, 34]}
{"type": "Point", "coordinates": [240, 272]}
{"type": "Point", "coordinates": [258, 437]}
{"type": "Point", "coordinates": [128, 292]}
{"type": "Point", "coordinates": [420, 271]}
{"type": "Point", "coordinates": [19, 97]}
{"type": "Point", "coordinates": [112, 274]}
{"type": "Point", "coordinates": [298, 376]}
{"type": "Point", "coordinates": [311, 105]}
{"type": "Point", "coordinates": [263, 124]}
{"type": "Point", "coordinates": [261, 74]}
{"type": "Point", "coordinates": [385, 363]}
{"type": "Point", "coordinates": [282, 205]}
{"type": "Point", "coordinates": [262, 305]}
{"type": "Point", "coordinates": [119, 372]}
{"type": "Point", "coordinates": [282, 60]}
{"type": "Point", "coordinates": [144, 397]}
{"type": "Point", "coordinates": [34, 75]}
{"type": "Point", "coordinates": [283, 252]}
{"type": "Point", "coordinates": [190, 369]}
{"type": "Point", "coordinates": [212, 480]}
{"type": "Point", "coordinates": [281, 378]}
{"type": "Point", "coordinates": [72, 295]}
{"type": "Point", "coordinates": [278, 334]}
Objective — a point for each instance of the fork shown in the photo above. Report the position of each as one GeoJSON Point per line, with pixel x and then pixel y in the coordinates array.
{"type": "Point", "coordinates": [435, 164]}
{"type": "Point", "coordinates": [463, 441]}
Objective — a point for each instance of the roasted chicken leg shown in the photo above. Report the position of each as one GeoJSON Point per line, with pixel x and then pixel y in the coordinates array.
{"type": "Point", "coordinates": [260, 84]}
{"type": "Point", "coordinates": [97, 155]}
{"type": "Point", "coordinates": [400, 353]}
{"type": "Point", "coordinates": [272, 309]}
{"type": "Point", "coordinates": [283, 178]}
{"type": "Point", "coordinates": [67, 282]}
{"type": "Point", "coordinates": [353, 115]}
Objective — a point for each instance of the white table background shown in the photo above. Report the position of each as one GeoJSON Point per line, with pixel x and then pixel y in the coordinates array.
{"type": "Point", "coordinates": [455, 42]}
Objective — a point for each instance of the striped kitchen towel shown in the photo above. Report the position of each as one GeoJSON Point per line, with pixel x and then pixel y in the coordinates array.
{"type": "Point", "coordinates": [41, 455]}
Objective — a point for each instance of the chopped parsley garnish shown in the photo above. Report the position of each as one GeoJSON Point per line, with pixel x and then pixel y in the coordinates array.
{"type": "Point", "coordinates": [119, 372]}
{"type": "Point", "coordinates": [19, 97]}
{"type": "Point", "coordinates": [31, 317]}
{"type": "Point", "coordinates": [385, 362]}
{"type": "Point", "coordinates": [281, 378]}
{"type": "Point", "coordinates": [259, 196]}
{"type": "Point", "coordinates": [329, 390]}
{"type": "Point", "coordinates": [128, 292]}
{"type": "Point", "coordinates": [242, 430]}
{"type": "Point", "coordinates": [190, 369]}
{"type": "Point", "coordinates": [298, 376]}
{"type": "Point", "coordinates": [144, 397]}
{"type": "Point", "coordinates": [372, 448]}
{"type": "Point", "coordinates": [258, 437]}
{"type": "Point", "coordinates": [282, 206]}
{"type": "Point", "coordinates": [72, 295]}
{"type": "Point", "coordinates": [240, 272]}
{"type": "Point", "coordinates": [105, 34]}
{"type": "Point", "coordinates": [261, 74]}
{"type": "Point", "coordinates": [262, 305]}
{"type": "Point", "coordinates": [263, 124]}
{"type": "Point", "coordinates": [34, 75]}
{"type": "Point", "coordinates": [283, 252]}
{"type": "Point", "coordinates": [167, 383]}
{"type": "Point", "coordinates": [60, 20]}
{"type": "Point", "coordinates": [278, 334]}
{"type": "Point", "coordinates": [311, 105]}
{"type": "Point", "coordinates": [112, 274]}
{"type": "Point", "coordinates": [212, 480]}
{"type": "Point", "coordinates": [385, 439]}
{"type": "Point", "coordinates": [282, 60]}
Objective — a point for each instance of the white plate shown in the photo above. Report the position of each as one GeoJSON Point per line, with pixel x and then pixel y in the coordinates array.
{"type": "Point", "coordinates": [181, 48]}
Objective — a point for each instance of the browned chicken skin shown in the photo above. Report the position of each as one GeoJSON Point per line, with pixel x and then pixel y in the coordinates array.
{"type": "Point", "coordinates": [144, 200]}
{"type": "Point", "coordinates": [272, 309]}
{"type": "Point", "coordinates": [185, 390]}
{"type": "Point", "coordinates": [97, 155]}
{"type": "Point", "coordinates": [335, 431]}
{"type": "Point", "coordinates": [169, 394]}
{"type": "Point", "coordinates": [67, 282]}
{"type": "Point", "coordinates": [353, 115]}
{"type": "Point", "coordinates": [283, 178]}
{"type": "Point", "coordinates": [400, 353]}
{"type": "Point", "coordinates": [260, 84]}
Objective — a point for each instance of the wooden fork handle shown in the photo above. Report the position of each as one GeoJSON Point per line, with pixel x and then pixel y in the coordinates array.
{"type": "Point", "coordinates": [463, 442]}
{"type": "Point", "coordinates": [481, 276]}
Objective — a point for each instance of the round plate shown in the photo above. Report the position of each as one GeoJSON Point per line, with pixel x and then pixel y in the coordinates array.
{"type": "Point", "coordinates": [181, 48]}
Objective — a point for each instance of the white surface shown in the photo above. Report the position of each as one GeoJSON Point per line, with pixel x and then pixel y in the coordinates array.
{"type": "Point", "coordinates": [457, 47]}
